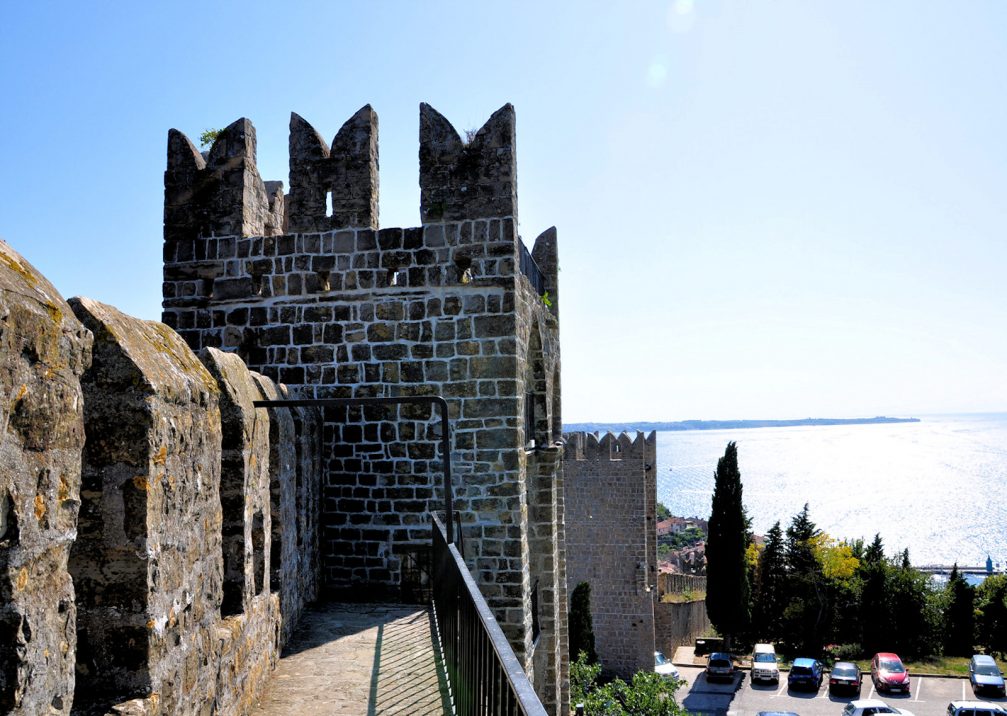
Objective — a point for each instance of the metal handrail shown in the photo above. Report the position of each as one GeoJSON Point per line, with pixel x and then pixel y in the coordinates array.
{"type": "Point", "coordinates": [529, 267]}
{"type": "Point", "coordinates": [449, 509]}
{"type": "Point", "coordinates": [484, 674]}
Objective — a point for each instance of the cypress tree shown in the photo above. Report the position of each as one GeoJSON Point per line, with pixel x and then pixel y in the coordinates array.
{"type": "Point", "coordinates": [581, 625]}
{"type": "Point", "coordinates": [727, 588]}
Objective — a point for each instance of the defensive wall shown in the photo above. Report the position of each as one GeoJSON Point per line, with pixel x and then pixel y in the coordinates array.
{"type": "Point", "coordinates": [310, 292]}
{"type": "Point", "coordinates": [611, 542]}
{"type": "Point", "coordinates": [142, 514]}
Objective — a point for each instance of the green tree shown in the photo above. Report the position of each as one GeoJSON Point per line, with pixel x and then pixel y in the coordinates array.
{"type": "Point", "coordinates": [581, 625]}
{"type": "Point", "coordinates": [874, 603]}
{"type": "Point", "coordinates": [914, 612]}
{"type": "Point", "coordinates": [991, 604]}
{"type": "Point", "coordinates": [208, 136]}
{"type": "Point", "coordinates": [770, 588]}
{"type": "Point", "coordinates": [959, 616]}
{"type": "Point", "coordinates": [805, 618]}
{"type": "Point", "coordinates": [727, 587]}
{"type": "Point", "coordinates": [648, 694]}
{"type": "Point", "coordinates": [663, 512]}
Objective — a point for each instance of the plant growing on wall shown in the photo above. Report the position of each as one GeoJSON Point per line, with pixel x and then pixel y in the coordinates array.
{"type": "Point", "coordinates": [208, 136]}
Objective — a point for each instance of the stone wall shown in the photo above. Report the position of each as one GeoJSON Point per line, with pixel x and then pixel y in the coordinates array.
{"type": "Point", "coordinates": [43, 351]}
{"type": "Point", "coordinates": [680, 624]}
{"type": "Point", "coordinates": [610, 496]}
{"type": "Point", "coordinates": [340, 309]}
{"type": "Point", "coordinates": [119, 609]}
{"type": "Point", "coordinates": [146, 563]}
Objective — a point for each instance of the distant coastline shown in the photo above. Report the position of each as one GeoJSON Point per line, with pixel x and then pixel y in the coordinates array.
{"type": "Point", "coordinates": [728, 424]}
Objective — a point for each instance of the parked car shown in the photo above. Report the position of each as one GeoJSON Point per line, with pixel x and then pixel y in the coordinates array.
{"type": "Point", "coordinates": [975, 708]}
{"type": "Point", "coordinates": [872, 707]}
{"type": "Point", "coordinates": [720, 667]}
{"type": "Point", "coordinates": [764, 666]}
{"type": "Point", "coordinates": [846, 677]}
{"type": "Point", "coordinates": [889, 673]}
{"type": "Point", "coordinates": [806, 673]}
{"type": "Point", "coordinates": [985, 675]}
{"type": "Point", "coordinates": [664, 667]}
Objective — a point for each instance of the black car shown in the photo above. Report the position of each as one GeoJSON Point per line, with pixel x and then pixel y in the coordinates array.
{"type": "Point", "coordinates": [720, 666]}
{"type": "Point", "coordinates": [845, 677]}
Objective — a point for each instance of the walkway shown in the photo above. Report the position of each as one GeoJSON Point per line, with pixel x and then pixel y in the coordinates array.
{"type": "Point", "coordinates": [358, 660]}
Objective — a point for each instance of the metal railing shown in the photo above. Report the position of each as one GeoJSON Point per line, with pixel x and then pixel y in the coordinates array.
{"type": "Point", "coordinates": [530, 269]}
{"type": "Point", "coordinates": [484, 675]}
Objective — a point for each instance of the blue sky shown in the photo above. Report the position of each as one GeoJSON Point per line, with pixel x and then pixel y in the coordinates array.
{"type": "Point", "coordinates": [765, 209]}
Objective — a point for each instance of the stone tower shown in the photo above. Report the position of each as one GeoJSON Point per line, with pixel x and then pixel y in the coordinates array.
{"type": "Point", "coordinates": [611, 488]}
{"type": "Point", "coordinates": [311, 293]}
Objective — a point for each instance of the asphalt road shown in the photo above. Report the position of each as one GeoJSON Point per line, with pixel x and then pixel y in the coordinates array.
{"type": "Point", "coordinates": [929, 696]}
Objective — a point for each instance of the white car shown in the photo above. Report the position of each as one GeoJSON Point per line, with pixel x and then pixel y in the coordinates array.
{"type": "Point", "coordinates": [664, 667]}
{"type": "Point", "coordinates": [764, 666]}
{"type": "Point", "coordinates": [975, 708]}
{"type": "Point", "coordinates": [872, 707]}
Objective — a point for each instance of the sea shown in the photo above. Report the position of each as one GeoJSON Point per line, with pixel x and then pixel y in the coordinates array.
{"type": "Point", "coordinates": [937, 487]}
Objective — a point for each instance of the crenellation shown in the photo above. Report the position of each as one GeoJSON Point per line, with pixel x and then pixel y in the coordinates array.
{"type": "Point", "coordinates": [219, 195]}
{"type": "Point", "coordinates": [338, 187]}
{"type": "Point", "coordinates": [460, 180]}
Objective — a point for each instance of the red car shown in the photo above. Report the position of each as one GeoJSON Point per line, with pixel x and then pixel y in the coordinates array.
{"type": "Point", "coordinates": [889, 673]}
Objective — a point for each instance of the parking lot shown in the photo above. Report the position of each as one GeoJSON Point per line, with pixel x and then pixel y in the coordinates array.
{"type": "Point", "coordinates": [929, 696]}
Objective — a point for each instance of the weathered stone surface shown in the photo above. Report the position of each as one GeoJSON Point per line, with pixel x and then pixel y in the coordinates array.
{"type": "Point", "coordinates": [610, 501]}
{"type": "Point", "coordinates": [244, 481]}
{"type": "Point", "coordinates": [460, 181]}
{"type": "Point", "coordinates": [43, 351]}
{"type": "Point", "coordinates": [147, 560]}
{"type": "Point", "coordinates": [222, 195]}
{"type": "Point", "coordinates": [337, 188]}
{"type": "Point", "coordinates": [249, 634]}
{"type": "Point", "coordinates": [286, 488]}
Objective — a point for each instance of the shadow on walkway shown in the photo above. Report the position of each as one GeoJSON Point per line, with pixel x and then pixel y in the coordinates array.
{"type": "Point", "coordinates": [356, 659]}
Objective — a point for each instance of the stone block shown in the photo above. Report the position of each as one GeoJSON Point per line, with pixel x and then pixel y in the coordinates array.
{"type": "Point", "coordinates": [43, 352]}
{"type": "Point", "coordinates": [146, 563]}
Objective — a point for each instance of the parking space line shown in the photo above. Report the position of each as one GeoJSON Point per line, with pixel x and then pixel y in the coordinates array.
{"type": "Point", "coordinates": [919, 688]}
{"type": "Point", "coordinates": [963, 691]}
{"type": "Point", "coordinates": [783, 687]}
{"type": "Point", "coordinates": [871, 695]}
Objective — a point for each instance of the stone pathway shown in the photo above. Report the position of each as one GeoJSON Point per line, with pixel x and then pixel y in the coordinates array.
{"type": "Point", "coordinates": [359, 660]}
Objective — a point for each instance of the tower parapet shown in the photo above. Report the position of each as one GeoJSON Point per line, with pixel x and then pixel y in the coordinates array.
{"type": "Point", "coordinates": [221, 195]}
{"type": "Point", "coordinates": [334, 188]}
{"type": "Point", "coordinates": [473, 180]}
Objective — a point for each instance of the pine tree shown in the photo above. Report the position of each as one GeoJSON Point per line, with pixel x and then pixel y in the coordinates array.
{"type": "Point", "coordinates": [581, 625]}
{"type": "Point", "coordinates": [770, 592]}
{"type": "Point", "coordinates": [727, 587]}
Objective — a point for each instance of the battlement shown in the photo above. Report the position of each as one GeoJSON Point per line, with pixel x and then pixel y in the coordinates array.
{"type": "Point", "coordinates": [221, 195]}
{"type": "Point", "coordinates": [467, 181]}
{"type": "Point", "coordinates": [345, 176]}
{"type": "Point", "coordinates": [335, 187]}
{"type": "Point", "coordinates": [591, 446]}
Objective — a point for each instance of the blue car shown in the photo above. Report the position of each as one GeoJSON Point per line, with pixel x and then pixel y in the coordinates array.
{"type": "Point", "coordinates": [985, 675]}
{"type": "Point", "coordinates": [805, 673]}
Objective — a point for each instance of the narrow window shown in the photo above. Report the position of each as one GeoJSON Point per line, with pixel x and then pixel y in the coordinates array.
{"type": "Point", "coordinates": [328, 204]}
